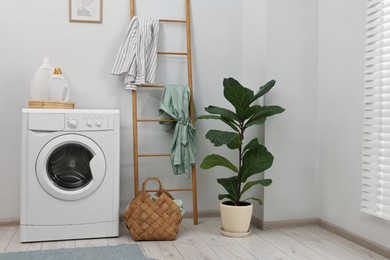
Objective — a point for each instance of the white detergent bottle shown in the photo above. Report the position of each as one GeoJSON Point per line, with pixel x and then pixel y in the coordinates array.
{"type": "Point", "coordinates": [41, 79]}
{"type": "Point", "coordinates": [58, 88]}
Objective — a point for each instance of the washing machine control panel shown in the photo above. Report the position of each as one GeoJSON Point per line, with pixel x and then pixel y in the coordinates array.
{"type": "Point", "coordinates": [88, 122]}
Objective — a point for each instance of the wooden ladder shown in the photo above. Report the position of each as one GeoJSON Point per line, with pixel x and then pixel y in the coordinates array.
{"type": "Point", "coordinates": [136, 120]}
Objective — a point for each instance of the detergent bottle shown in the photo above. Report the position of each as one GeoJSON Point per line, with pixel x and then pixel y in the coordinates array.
{"type": "Point", "coordinates": [39, 83]}
{"type": "Point", "coordinates": [58, 88]}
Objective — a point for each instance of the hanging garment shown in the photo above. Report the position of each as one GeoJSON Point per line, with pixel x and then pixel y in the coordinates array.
{"type": "Point", "coordinates": [175, 102]}
{"type": "Point", "coordinates": [137, 56]}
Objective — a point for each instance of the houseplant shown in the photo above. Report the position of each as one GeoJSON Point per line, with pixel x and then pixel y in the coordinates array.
{"type": "Point", "coordinates": [253, 158]}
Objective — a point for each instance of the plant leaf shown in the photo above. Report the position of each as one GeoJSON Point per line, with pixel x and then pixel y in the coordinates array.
{"type": "Point", "coordinates": [225, 196]}
{"type": "Point", "coordinates": [208, 117]}
{"type": "Point", "coordinates": [239, 96]}
{"type": "Point", "coordinates": [218, 138]}
{"type": "Point", "coordinates": [256, 199]}
{"type": "Point", "coordinates": [227, 121]}
{"type": "Point", "coordinates": [255, 160]}
{"type": "Point", "coordinates": [254, 109]}
{"type": "Point", "coordinates": [260, 116]}
{"type": "Point", "coordinates": [250, 184]}
{"type": "Point", "coordinates": [213, 160]}
{"type": "Point", "coordinates": [230, 123]}
{"type": "Point", "coordinates": [222, 112]}
{"type": "Point", "coordinates": [263, 90]}
{"type": "Point", "coordinates": [255, 120]}
{"type": "Point", "coordinates": [251, 145]}
{"type": "Point", "coordinates": [235, 143]}
{"type": "Point", "coordinates": [231, 186]}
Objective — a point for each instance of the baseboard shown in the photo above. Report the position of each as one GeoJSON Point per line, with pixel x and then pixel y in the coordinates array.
{"type": "Point", "coordinates": [379, 249]}
{"type": "Point", "coordinates": [203, 214]}
{"type": "Point", "coordinates": [257, 222]}
{"type": "Point", "coordinates": [9, 222]}
{"type": "Point", "coordinates": [267, 225]}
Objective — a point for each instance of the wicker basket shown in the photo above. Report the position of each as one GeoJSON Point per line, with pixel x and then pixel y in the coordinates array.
{"type": "Point", "coordinates": [153, 219]}
{"type": "Point", "coordinates": [50, 104]}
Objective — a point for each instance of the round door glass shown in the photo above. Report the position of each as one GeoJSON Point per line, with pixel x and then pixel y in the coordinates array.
{"type": "Point", "coordinates": [68, 166]}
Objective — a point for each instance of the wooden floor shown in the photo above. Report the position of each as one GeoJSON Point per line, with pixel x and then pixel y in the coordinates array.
{"type": "Point", "coordinates": [205, 242]}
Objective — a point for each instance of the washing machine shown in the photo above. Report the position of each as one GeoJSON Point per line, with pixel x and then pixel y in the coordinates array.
{"type": "Point", "coordinates": [70, 174]}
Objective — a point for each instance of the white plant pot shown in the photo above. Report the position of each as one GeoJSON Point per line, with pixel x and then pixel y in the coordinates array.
{"type": "Point", "coordinates": [235, 220]}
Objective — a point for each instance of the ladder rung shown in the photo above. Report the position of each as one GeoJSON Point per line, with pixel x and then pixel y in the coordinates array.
{"type": "Point", "coordinates": [172, 21]}
{"type": "Point", "coordinates": [153, 155]}
{"type": "Point", "coordinates": [156, 120]}
{"type": "Point", "coordinates": [182, 189]}
{"type": "Point", "coordinates": [149, 86]}
{"type": "Point", "coordinates": [172, 53]}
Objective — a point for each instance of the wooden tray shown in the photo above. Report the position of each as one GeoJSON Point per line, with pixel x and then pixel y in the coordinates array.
{"type": "Point", "coordinates": [50, 104]}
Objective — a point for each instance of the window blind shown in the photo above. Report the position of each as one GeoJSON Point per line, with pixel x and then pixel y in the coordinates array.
{"type": "Point", "coordinates": [375, 198]}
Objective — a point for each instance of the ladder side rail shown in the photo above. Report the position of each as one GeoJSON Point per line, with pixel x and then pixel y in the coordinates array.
{"type": "Point", "coordinates": [135, 141]}
{"type": "Point", "coordinates": [191, 108]}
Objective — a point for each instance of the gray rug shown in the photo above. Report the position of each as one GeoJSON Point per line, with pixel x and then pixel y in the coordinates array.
{"type": "Point", "coordinates": [119, 252]}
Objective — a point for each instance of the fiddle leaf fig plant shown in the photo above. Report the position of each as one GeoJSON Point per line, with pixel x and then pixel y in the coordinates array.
{"type": "Point", "coordinates": [253, 158]}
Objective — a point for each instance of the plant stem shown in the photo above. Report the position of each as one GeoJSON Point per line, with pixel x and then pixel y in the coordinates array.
{"type": "Point", "coordinates": [242, 129]}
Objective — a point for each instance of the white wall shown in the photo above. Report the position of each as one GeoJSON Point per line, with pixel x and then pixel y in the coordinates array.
{"type": "Point", "coordinates": [341, 83]}
{"type": "Point", "coordinates": [253, 71]}
{"type": "Point", "coordinates": [292, 136]}
{"type": "Point", "coordinates": [253, 43]}
{"type": "Point", "coordinates": [86, 53]}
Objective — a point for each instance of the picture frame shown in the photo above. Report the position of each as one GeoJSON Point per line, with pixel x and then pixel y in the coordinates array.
{"type": "Point", "coordinates": [85, 11]}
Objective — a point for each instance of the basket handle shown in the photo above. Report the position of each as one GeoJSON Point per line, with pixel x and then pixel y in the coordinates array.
{"type": "Point", "coordinates": [152, 179]}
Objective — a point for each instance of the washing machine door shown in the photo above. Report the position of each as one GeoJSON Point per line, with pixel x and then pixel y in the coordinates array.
{"type": "Point", "coordinates": [70, 167]}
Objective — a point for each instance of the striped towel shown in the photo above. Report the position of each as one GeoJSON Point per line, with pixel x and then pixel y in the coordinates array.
{"type": "Point", "coordinates": [137, 57]}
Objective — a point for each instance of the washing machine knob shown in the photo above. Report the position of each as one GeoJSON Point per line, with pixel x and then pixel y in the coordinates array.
{"type": "Point", "coordinates": [72, 123]}
{"type": "Point", "coordinates": [89, 123]}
